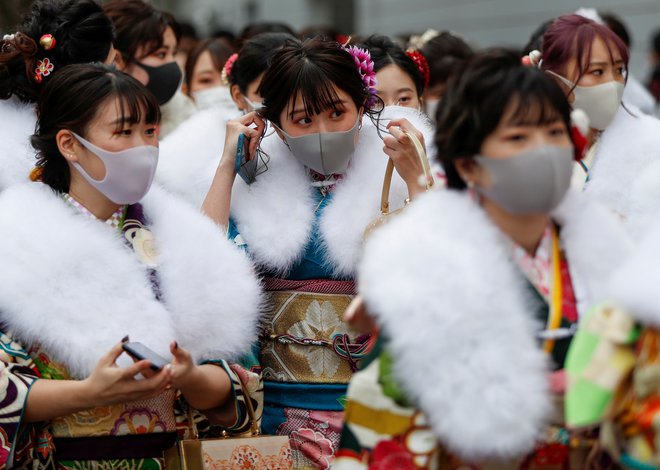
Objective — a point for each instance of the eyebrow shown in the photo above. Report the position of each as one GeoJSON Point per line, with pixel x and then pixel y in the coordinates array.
{"type": "Point", "coordinates": [334, 104]}
{"type": "Point", "coordinates": [404, 89]}
{"type": "Point", "coordinates": [616, 62]}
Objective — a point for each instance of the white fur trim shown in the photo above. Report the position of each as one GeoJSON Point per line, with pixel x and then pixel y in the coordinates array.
{"type": "Point", "coordinates": [275, 214]}
{"type": "Point", "coordinates": [190, 155]}
{"type": "Point", "coordinates": [625, 151]}
{"type": "Point", "coordinates": [454, 311]}
{"type": "Point", "coordinates": [17, 157]}
{"type": "Point", "coordinates": [71, 284]}
{"type": "Point", "coordinates": [635, 285]}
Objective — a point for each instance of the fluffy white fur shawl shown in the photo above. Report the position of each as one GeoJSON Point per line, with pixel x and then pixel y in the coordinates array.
{"type": "Point", "coordinates": [453, 306]}
{"type": "Point", "coordinates": [17, 157]}
{"type": "Point", "coordinates": [190, 155]}
{"type": "Point", "coordinates": [72, 285]}
{"type": "Point", "coordinates": [275, 214]}
{"type": "Point", "coordinates": [625, 175]}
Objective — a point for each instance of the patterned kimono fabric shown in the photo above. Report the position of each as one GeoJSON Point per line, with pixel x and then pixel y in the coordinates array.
{"type": "Point", "coordinates": [384, 430]}
{"type": "Point", "coordinates": [127, 436]}
{"type": "Point", "coordinates": [307, 353]}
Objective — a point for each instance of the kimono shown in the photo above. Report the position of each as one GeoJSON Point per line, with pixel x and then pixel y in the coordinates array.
{"type": "Point", "coordinates": [17, 157]}
{"type": "Point", "coordinates": [459, 379]}
{"type": "Point", "coordinates": [71, 287]}
{"type": "Point", "coordinates": [307, 240]}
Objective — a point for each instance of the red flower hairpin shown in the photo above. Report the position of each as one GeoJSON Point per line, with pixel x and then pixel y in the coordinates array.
{"type": "Point", "coordinates": [44, 68]}
{"type": "Point", "coordinates": [226, 70]}
{"type": "Point", "coordinates": [421, 63]}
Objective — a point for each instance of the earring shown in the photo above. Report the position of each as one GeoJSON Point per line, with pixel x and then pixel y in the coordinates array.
{"type": "Point", "coordinates": [470, 184]}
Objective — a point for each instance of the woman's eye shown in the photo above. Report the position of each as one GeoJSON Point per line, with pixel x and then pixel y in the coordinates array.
{"type": "Point", "coordinates": [151, 131]}
{"type": "Point", "coordinates": [124, 132]}
{"type": "Point", "coordinates": [597, 72]}
{"type": "Point", "coordinates": [404, 99]}
{"type": "Point", "coordinates": [516, 137]}
{"type": "Point", "coordinates": [304, 121]}
{"type": "Point", "coordinates": [558, 132]}
{"type": "Point", "coordinates": [621, 71]}
{"type": "Point", "coordinates": [337, 114]}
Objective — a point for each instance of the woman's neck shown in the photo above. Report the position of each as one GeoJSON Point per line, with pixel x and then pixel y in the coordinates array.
{"type": "Point", "coordinates": [91, 198]}
{"type": "Point", "coordinates": [525, 230]}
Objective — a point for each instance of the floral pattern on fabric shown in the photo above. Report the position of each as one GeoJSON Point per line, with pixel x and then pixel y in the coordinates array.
{"type": "Point", "coordinates": [538, 268]}
{"type": "Point", "coordinates": [314, 436]}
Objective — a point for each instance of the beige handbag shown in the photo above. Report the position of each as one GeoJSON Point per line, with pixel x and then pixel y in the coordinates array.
{"type": "Point", "coordinates": [250, 451]}
{"type": "Point", "coordinates": [385, 213]}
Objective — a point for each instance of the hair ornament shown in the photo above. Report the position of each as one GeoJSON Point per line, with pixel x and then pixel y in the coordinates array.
{"type": "Point", "coordinates": [421, 63]}
{"type": "Point", "coordinates": [533, 59]}
{"type": "Point", "coordinates": [47, 41]}
{"type": "Point", "coordinates": [226, 70]}
{"type": "Point", "coordinates": [36, 174]}
{"type": "Point", "coordinates": [44, 68]}
{"type": "Point", "coordinates": [365, 66]}
{"type": "Point", "coordinates": [418, 42]}
{"type": "Point", "coordinates": [8, 37]}
{"type": "Point", "coordinates": [579, 132]}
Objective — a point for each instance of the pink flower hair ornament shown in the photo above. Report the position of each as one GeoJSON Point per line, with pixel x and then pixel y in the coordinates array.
{"type": "Point", "coordinates": [365, 66]}
{"type": "Point", "coordinates": [226, 70]}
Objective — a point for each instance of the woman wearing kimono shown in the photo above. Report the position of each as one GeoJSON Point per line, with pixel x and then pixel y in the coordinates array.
{"type": "Point", "coordinates": [88, 259]}
{"type": "Point", "coordinates": [317, 187]}
{"type": "Point", "coordinates": [477, 289]}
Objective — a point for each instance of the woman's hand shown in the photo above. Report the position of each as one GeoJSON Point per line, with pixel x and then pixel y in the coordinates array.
{"type": "Point", "coordinates": [236, 127]}
{"type": "Point", "coordinates": [183, 367]}
{"type": "Point", "coordinates": [218, 199]}
{"type": "Point", "coordinates": [109, 384]}
{"type": "Point", "coordinates": [401, 149]}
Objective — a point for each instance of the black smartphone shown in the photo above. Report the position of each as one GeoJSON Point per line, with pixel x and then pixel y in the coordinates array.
{"type": "Point", "coordinates": [246, 169]}
{"type": "Point", "coordinates": [139, 351]}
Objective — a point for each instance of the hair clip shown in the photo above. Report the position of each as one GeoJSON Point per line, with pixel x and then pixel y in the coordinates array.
{"type": "Point", "coordinates": [47, 41]}
{"type": "Point", "coordinates": [226, 70]}
{"type": "Point", "coordinates": [365, 66]}
{"type": "Point", "coordinates": [422, 64]}
{"type": "Point", "coordinates": [533, 59]}
{"type": "Point", "coordinates": [44, 68]}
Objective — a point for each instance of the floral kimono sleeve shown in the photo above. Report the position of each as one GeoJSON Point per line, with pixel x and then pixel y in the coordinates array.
{"type": "Point", "coordinates": [246, 384]}
{"type": "Point", "coordinates": [17, 373]}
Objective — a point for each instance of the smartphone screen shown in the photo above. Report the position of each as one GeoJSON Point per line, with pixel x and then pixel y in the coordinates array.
{"type": "Point", "coordinates": [139, 351]}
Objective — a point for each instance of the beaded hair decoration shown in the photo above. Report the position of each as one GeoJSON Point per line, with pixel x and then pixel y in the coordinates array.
{"type": "Point", "coordinates": [365, 66]}
{"type": "Point", "coordinates": [421, 63]}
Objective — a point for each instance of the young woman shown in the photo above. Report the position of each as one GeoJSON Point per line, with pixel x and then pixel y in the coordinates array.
{"type": "Point", "coordinates": [445, 53]}
{"type": "Point", "coordinates": [302, 221]}
{"type": "Point", "coordinates": [203, 80]}
{"type": "Point", "coordinates": [401, 76]}
{"type": "Point", "coordinates": [146, 40]}
{"type": "Point", "coordinates": [52, 35]}
{"type": "Point", "coordinates": [88, 259]}
{"type": "Point", "coordinates": [464, 281]}
{"type": "Point", "coordinates": [190, 153]}
{"type": "Point", "coordinates": [589, 61]}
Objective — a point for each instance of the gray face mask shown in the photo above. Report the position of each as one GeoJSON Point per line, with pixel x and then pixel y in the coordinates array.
{"type": "Point", "coordinates": [326, 153]}
{"type": "Point", "coordinates": [532, 182]}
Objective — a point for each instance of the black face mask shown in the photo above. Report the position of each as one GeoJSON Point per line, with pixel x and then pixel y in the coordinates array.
{"type": "Point", "coordinates": [164, 80]}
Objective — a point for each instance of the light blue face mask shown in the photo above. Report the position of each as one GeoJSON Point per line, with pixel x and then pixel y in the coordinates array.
{"type": "Point", "coordinates": [326, 153]}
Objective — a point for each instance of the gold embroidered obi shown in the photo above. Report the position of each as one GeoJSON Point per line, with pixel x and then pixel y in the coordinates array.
{"type": "Point", "coordinates": [305, 339]}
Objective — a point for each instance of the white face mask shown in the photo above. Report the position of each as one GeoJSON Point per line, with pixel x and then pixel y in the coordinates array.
{"type": "Point", "coordinates": [216, 97]}
{"type": "Point", "coordinates": [128, 174]}
{"type": "Point", "coordinates": [599, 102]}
{"type": "Point", "coordinates": [432, 108]}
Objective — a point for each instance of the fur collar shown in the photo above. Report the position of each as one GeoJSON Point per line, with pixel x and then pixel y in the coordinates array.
{"type": "Point", "coordinates": [275, 214]}
{"type": "Point", "coordinates": [17, 157]}
{"type": "Point", "coordinates": [190, 155]}
{"type": "Point", "coordinates": [627, 148]}
{"type": "Point", "coordinates": [456, 315]}
{"type": "Point", "coordinates": [71, 284]}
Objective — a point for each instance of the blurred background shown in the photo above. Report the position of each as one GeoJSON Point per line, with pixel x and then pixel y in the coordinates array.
{"type": "Point", "coordinates": [482, 23]}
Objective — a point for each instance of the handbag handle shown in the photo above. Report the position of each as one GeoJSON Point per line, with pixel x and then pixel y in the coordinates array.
{"type": "Point", "coordinates": [254, 427]}
{"type": "Point", "coordinates": [389, 171]}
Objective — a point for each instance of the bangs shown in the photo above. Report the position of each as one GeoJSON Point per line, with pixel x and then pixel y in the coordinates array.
{"type": "Point", "coordinates": [531, 110]}
{"type": "Point", "coordinates": [583, 46]}
{"type": "Point", "coordinates": [136, 104]}
{"type": "Point", "coordinates": [317, 92]}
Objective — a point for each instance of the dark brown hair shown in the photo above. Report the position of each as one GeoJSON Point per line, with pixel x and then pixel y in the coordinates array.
{"type": "Point", "coordinates": [310, 69]}
{"type": "Point", "coordinates": [483, 90]}
{"type": "Point", "coordinates": [83, 33]}
{"type": "Point", "coordinates": [138, 25]}
{"type": "Point", "coordinates": [254, 58]}
{"type": "Point", "coordinates": [72, 100]}
{"type": "Point", "coordinates": [219, 49]}
{"type": "Point", "coordinates": [385, 52]}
